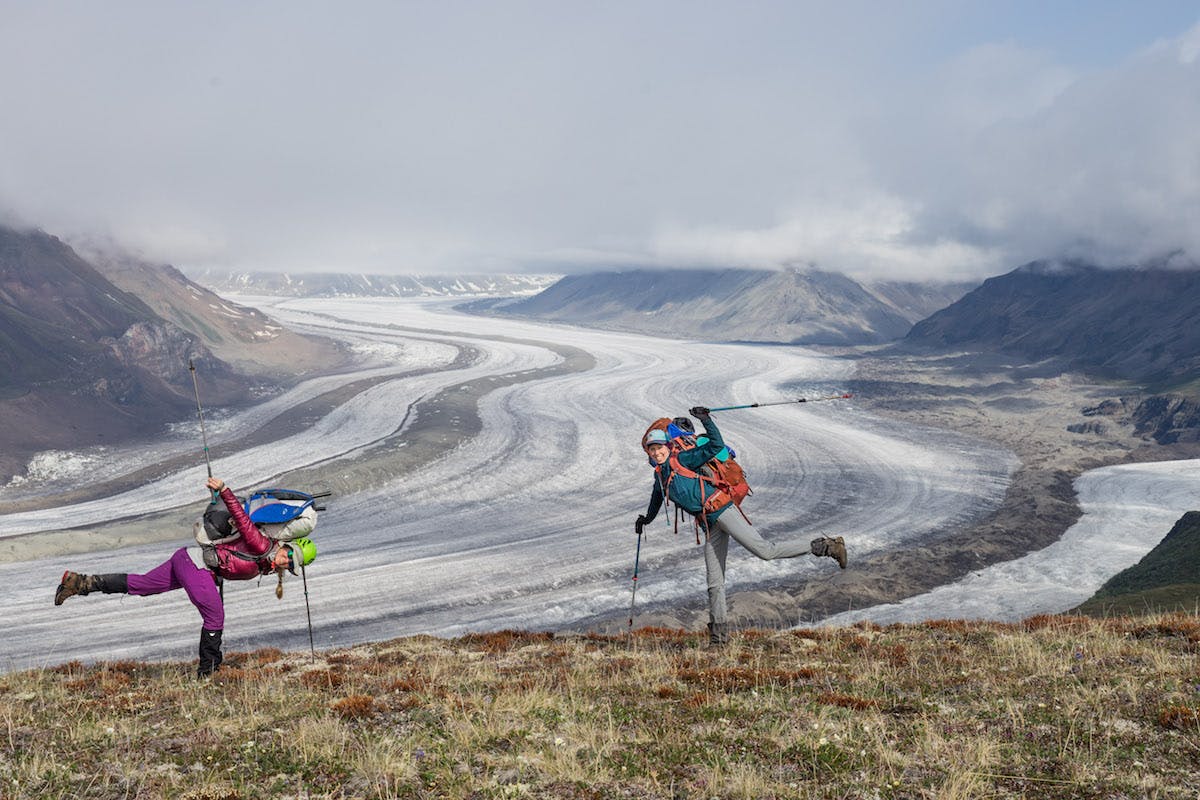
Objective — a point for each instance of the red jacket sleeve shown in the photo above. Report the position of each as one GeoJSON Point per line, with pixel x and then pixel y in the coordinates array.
{"type": "Point", "coordinates": [253, 542]}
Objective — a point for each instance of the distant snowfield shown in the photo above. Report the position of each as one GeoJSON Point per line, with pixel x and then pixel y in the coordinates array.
{"type": "Point", "coordinates": [528, 524]}
{"type": "Point", "coordinates": [1127, 510]}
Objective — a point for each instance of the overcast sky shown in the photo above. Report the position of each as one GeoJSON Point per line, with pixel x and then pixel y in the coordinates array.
{"type": "Point", "coordinates": [915, 139]}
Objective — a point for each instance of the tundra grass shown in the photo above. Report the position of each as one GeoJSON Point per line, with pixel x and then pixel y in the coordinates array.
{"type": "Point", "coordinates": [1056, 707]}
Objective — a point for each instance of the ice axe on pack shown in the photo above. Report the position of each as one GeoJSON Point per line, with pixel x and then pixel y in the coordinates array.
{"type": "Point", "coordinates": [845, 396]}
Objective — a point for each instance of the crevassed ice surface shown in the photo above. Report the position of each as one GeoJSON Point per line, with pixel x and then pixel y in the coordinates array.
{"type": "Point", "coordinates": [1127, 510]}
{"type": "Point", "coordinates": [383, 354]}
{"type": "Point", "coordinates": [528, 524]}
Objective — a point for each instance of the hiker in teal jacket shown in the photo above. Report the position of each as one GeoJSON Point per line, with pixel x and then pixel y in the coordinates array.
{"type": "Point", "coordinates": [678, 478]}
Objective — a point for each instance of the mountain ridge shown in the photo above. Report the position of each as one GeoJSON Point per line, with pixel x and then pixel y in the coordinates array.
{"type": "Point", "coordinates": [57, 312]}
{"type": "Point", "coordinates": [1131, 323]}
{"type": "Point", "coordinates": [87, 359]}
{"type": "Point", "coordinates": [242, 336]}
{"type": "Point", "coordinates": [787, 306]}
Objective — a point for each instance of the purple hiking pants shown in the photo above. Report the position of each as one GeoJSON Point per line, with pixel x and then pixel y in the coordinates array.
{"type": "Point", "coordinates": [180, 572]}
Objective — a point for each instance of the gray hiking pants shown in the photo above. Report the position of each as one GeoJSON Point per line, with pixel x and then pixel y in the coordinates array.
{"type": "Point", "coordinates": [716, 548]}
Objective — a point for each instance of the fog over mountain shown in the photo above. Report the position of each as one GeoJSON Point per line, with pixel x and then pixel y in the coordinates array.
{"type": "Point", "coordinates": [335, 284]}
{"type": "Point", "coordinates": [903, 141]}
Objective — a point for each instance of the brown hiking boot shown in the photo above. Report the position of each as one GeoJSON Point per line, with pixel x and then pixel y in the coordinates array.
{"type": "Point", "coordinates": [834, 548]}
{"type": "Point", "coordinates": [837, 551]}
{"type": "Point", "coordinates": [72, 583]}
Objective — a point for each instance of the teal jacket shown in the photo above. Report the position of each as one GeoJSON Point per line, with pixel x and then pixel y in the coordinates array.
{"type": "Point", "coordinates": [684, 491]}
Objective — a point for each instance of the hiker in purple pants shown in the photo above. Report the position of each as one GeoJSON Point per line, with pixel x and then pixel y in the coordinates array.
{"type": "Point", "coordinates": [180, 572]}
{"type": "Point", "coordinates": [238, 551]}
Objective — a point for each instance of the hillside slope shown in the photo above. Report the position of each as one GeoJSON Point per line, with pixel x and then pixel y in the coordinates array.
{"type": "Point", "coordinates": [242, 336]}
{"type": "Point", "coordinates": [57, 313]}
{"type": "Point", "coordinates": [83, 362]}
{"type": "Point", "coordinates": [1134, 324]}
{"type": "Point", "coordinates": [95, 347]}
{"type": "Point", "coordinates": [791, 306]}
{"type": "Point", "coordinates": [1057, 707]}
{"type": "Point", "coordinates": [1166, 579]}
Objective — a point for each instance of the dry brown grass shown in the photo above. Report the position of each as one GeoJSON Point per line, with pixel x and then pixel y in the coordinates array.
{"type": "Point", "coordinates": [1059, 707]}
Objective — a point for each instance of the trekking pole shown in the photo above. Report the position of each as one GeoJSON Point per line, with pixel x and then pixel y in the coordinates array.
{"type": "Point", "coordinates": [636, 562]}
{"type": "Point", "coordinates": [846, 396]}
{"type": "Point", "coordinates": [200, 413]}
{"type": "Point", "coordinates": [308, 612]}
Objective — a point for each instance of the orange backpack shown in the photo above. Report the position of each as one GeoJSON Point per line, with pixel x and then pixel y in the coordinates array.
{"type": "Point", "coordinates": [721, 482]}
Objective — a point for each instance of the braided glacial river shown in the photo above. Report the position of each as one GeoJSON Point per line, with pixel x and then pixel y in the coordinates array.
{"type": "Point", "coordinates": [525, 520]}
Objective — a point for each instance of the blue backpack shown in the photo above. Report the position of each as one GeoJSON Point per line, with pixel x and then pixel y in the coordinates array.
{"type": "Point", "coordinates": [283, 514]}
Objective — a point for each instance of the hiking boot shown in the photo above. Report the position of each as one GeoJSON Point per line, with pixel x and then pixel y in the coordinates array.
{"type": "Point", "coordinates": [834, 548]}
{"type": "Point", "coordinates": [72, 584]}
{"type": "Point", "coordinates": [75, 583]}
{"type": "Point", "coordinates": [837, 551]}
{"type": "Point", "coordinates": [718, 635]}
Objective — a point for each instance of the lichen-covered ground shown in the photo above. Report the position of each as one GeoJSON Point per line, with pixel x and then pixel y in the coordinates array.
{"type": "Point", "coordinates": [1053, 707]}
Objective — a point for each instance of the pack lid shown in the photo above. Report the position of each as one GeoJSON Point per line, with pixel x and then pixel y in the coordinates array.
{"type": "Point", "coordinates": [274, 506]}
{"type": "Point", "coordinates": [276, 512]}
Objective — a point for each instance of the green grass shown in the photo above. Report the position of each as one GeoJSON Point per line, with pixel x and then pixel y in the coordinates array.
{"type": "Point", "coordinates": [1165, 579]}
{"type": "Point", "coordinates": [1183, 597]}
{"type": "Point", "coordinates": [1056, 707]}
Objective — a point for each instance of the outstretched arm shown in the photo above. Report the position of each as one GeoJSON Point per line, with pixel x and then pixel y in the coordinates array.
{"type": "Point", "coordinates": [253, 542]}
